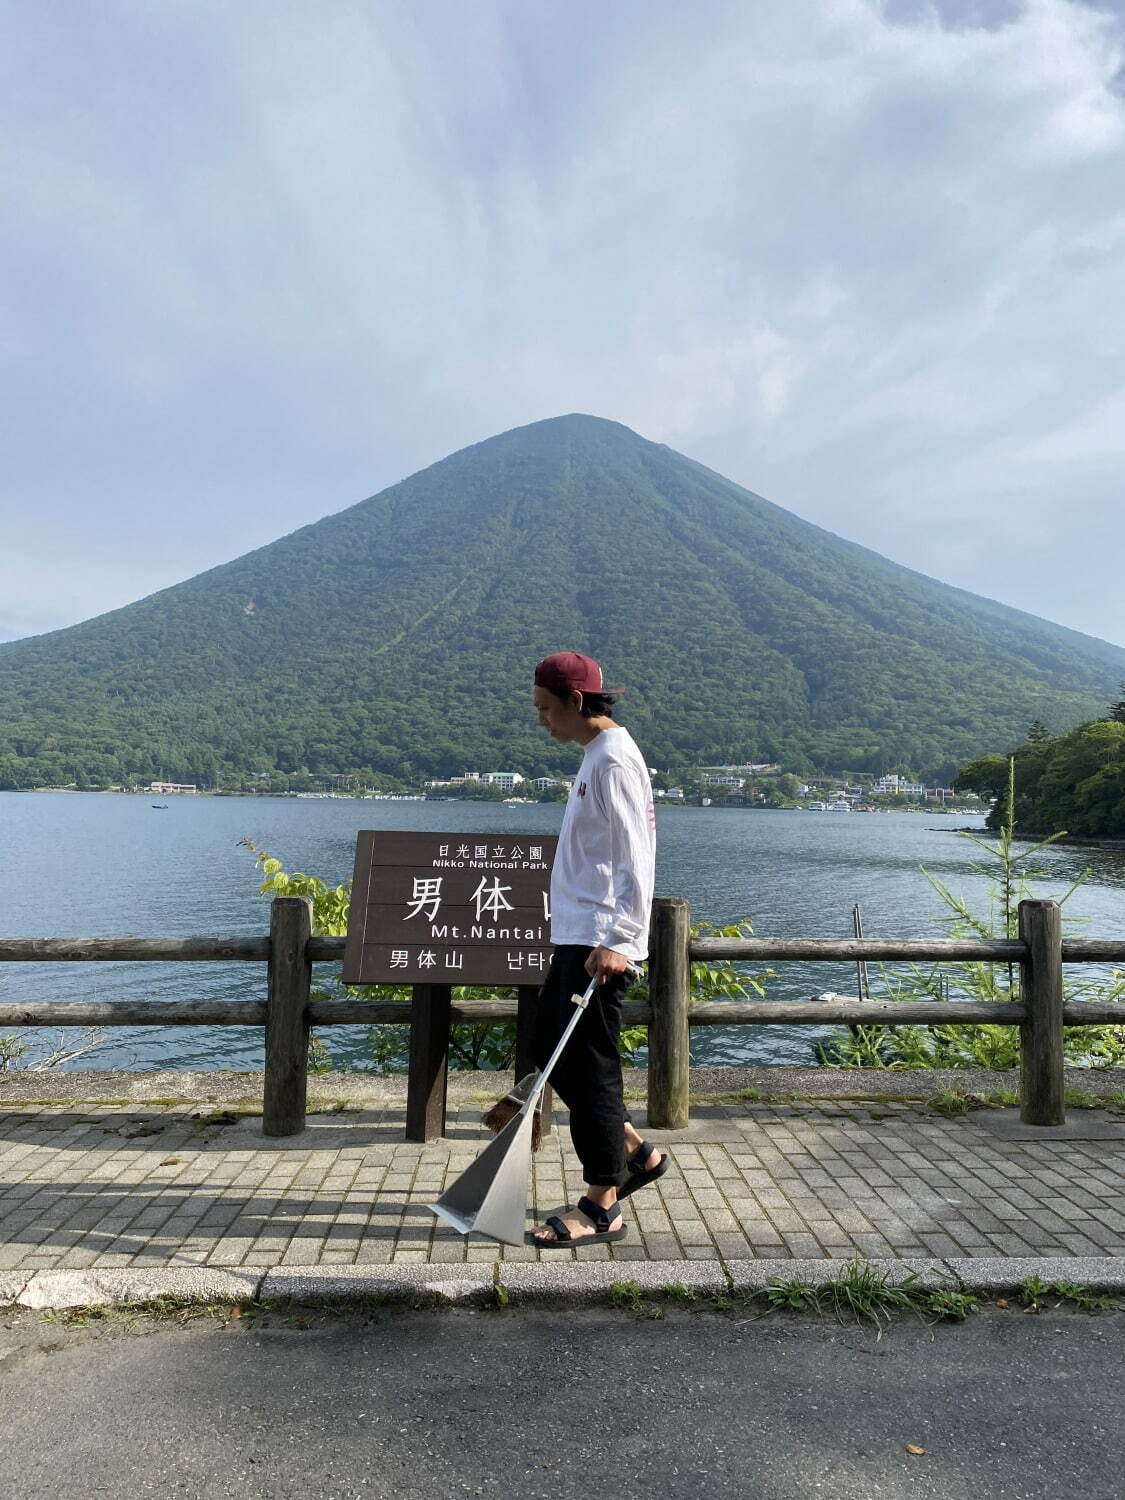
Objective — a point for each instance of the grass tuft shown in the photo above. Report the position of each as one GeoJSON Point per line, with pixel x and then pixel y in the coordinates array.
{"type": "Point", "coordinates": [626, 1295]}
{"type": "Point", "coordinates": [951, 1102]}
{"type": "Point", "coordinates": [793, 1295]}
{"type": "Point", "coordinates": [676, 1291]}
{"type": "Point", "coordinates": [862, 1293]}
{"type": "Point", "coordinates": [1075, 1098]}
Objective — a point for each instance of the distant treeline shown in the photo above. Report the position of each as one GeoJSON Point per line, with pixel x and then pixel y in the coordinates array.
{"type": "Point", "coordinates": [1075, 781]}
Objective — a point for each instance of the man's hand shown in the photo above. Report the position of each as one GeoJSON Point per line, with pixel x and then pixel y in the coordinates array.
{"type": "Point", "coordinates": [603, 963]}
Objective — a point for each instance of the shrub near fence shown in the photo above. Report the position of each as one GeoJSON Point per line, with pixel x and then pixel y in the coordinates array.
{"type": "Point", "coordinates": [287, 1012]}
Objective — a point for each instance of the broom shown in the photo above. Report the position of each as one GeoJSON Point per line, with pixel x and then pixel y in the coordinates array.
{"type": "Point", "coordinates": [490, 1196]}
{"type": "Point", "coordinates": [505, 1110]}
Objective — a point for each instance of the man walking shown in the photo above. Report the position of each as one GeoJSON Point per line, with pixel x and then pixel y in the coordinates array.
{"type": "Point", "coordinates": [601, 897]}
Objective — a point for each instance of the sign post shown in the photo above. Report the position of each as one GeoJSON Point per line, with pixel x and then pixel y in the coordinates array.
{"type": "Point", "coordinates": [434, 910]}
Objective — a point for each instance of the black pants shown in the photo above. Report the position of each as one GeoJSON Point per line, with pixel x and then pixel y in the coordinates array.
{"type": "Point", "coordinates": [587, 1077]}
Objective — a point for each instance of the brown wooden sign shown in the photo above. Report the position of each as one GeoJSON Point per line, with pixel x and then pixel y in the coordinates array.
{"type": "Point", "coordinates": [450, 908]}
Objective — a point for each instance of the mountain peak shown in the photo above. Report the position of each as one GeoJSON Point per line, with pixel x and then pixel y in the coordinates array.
{"type": "Point", "coordinates": [399, 635]}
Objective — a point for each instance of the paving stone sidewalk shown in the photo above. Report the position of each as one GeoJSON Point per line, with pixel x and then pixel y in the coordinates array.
{"type": "Point", "coordinates": [187, 1184]}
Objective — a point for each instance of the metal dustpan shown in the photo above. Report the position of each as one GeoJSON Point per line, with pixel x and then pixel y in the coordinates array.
{"type": "Point", "coordinates": [490, 1197]}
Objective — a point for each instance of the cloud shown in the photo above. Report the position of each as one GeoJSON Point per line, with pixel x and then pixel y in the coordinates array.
{"type": "Point", "coordinates": [861, 258]}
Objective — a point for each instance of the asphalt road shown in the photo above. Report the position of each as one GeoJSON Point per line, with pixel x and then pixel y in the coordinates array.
{"type": "Point", "coordinates": [406, 1404]}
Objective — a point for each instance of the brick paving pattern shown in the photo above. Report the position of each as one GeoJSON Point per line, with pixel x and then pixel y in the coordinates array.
{"type": "Point", "coordinates": [93, 1185]}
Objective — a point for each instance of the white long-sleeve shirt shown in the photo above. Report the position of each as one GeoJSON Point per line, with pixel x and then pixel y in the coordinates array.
{"type": "Point", "coordinates": [602, 877]}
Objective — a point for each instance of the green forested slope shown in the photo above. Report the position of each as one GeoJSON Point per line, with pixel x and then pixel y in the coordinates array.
{"type": "Point", "coordinates": [399, 635]}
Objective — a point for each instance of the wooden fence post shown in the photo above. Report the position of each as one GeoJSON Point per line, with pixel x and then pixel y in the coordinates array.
{"type": "Point", "coordinates": [289, 979]}
{"type": "Point", "coordinates": [429, 1061]}
{"type": "Point", "coordinates": [669, 1056]}
{"type": "Point", "coordinates": [1041, 1035]}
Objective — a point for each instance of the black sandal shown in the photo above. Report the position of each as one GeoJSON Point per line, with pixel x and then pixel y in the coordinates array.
{"type": "Point", "coordinates": [601, 1218]}
{"type": "Point", "coordinates": [639, 1176]}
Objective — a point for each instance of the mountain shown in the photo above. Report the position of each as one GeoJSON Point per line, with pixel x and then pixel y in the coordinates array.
{"type": "Point", "coordinates": [399, 635]}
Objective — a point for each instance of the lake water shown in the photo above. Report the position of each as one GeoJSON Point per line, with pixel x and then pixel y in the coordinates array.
{"type": "Point", "coordinates": [87, 865]}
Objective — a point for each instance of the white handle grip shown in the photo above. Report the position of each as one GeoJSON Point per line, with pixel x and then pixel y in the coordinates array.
{"type": "Point", "coordinates": [583, 1000]}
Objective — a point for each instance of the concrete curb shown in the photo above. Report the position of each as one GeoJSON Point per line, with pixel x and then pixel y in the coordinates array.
{"type": "Point", "coordinates": [524, 1283]}
{"type": "Point", "coordinates": [12, 1284]}
{"type": "Point", "coordinates": [590, 1281]}
{"type": "Point", "coordinates": [114, 1286]}
{"type": "Point", "coordinates": [459, 1284]}
{"type": "Point", "coordinates": [1098, 1273]}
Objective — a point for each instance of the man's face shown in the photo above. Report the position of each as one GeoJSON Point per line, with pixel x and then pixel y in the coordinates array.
{"type": "Point", "coordinates": [562, 721]}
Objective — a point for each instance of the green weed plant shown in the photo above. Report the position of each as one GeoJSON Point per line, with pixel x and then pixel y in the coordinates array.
{"type": "Point", "coordinates": [1011, 879]}
{"type": "Point", "coordinates": [1037, 1295]}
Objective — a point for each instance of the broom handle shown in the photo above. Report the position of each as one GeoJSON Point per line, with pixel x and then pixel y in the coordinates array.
{"type": "Point", "coordinates": [580, 1002]}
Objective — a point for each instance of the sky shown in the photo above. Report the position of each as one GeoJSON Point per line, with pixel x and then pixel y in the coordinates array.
{"type": "Point", "coordinates": [260, 260]}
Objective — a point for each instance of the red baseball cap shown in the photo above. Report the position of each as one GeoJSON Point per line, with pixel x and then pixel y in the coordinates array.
{"type": "Point", "coordinates": [570, 672]}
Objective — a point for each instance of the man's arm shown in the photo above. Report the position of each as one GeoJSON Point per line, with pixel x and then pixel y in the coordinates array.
{"type": "Point", "coordinates": [627, 805]}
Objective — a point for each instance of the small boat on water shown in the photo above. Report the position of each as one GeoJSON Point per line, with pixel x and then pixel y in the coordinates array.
{"type": "Point", "coordinates": [160, 806]}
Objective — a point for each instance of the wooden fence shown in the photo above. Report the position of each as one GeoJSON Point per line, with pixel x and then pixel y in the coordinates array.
{"type": "Point", "coordinates": [288, 1012]}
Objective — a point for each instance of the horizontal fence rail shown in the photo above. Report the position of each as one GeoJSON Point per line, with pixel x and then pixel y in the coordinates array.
{"type": "Point", "coordinates": [1092, 950]}
{"type": "Point", "coordinates": [132, 950]}
{"type": "Point", "coordinates": [825, 1010]}
{"type": "Point", "coordinates": [288, 1011]}
{"type": "Point", "coordinates": [839, 950]}
{"type": "Point", "coordinates": [134, 1013]}
{"type": "Point", "coordinates": [942, 950]}
{"type": "Point", "coordinates": [331, 950]}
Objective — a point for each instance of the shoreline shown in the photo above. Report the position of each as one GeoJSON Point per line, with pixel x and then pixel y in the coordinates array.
{"type": "Point", "coordinates": [225, 1086]}
{"type": "Point", "coordinates": [72, 791]}
{"type": "Point", "coordinates": [1076, 840]}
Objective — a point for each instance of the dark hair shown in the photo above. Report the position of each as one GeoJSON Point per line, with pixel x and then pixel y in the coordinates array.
{"type": "Point", "coordinates": [594, 705]}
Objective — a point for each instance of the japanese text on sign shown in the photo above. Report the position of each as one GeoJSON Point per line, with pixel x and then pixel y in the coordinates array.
{"type": "Point", "coordinates": [449, 909]}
